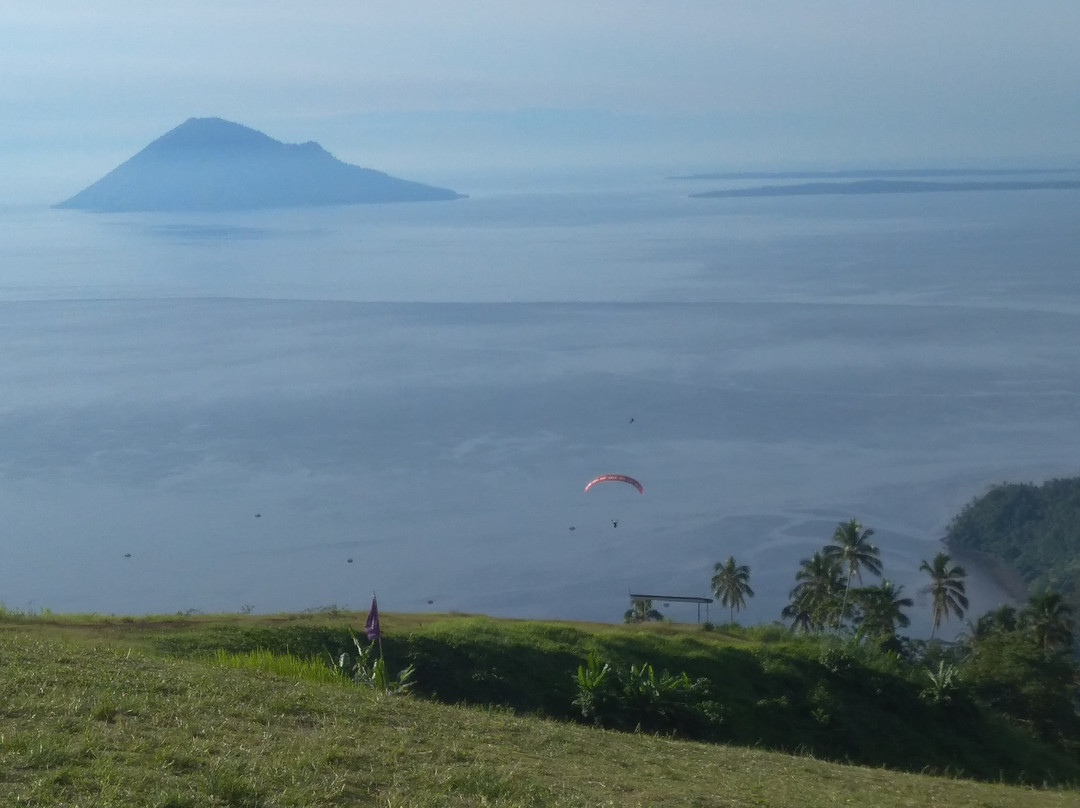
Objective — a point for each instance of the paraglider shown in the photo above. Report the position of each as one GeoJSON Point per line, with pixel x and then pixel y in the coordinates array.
{"type": "Point", "coordinates": [620, 478]}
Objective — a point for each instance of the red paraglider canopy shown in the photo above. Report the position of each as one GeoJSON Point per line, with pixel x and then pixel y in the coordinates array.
{"type": "Point", "coordinates": [615, 478]}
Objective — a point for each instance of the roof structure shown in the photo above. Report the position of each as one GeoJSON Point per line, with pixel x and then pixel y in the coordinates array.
{"type": "Point", "coordinates": [635, 596]}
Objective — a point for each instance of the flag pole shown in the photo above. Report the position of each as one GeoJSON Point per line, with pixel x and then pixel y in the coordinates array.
{"type": "Point", "coordinates": [373, 600]}
{"type": "Point", "coordinates": [374, 634]}
{"type": "Point", "coordinates": [371, 625]}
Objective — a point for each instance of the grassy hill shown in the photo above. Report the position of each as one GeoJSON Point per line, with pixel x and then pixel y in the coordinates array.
{"type": "Point", "coordinates": [178, 712]}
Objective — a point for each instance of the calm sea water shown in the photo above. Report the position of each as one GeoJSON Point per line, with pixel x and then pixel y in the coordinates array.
{"type": "Point", "coordinates": [291, 409]}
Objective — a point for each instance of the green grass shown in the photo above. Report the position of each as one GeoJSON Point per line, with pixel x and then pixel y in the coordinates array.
{"type": "Point", "coordinates": [813, 695]}
{"type": "Point", "coordinates": [92, 715]}
{"type": "Point", "coordinates": [290, 665]}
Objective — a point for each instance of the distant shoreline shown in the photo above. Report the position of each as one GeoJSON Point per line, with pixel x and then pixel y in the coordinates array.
{"type": "Point", "coordinates": [865, 173]}
{"type": "Point", "coordinates": [998, 572]}
{"type": "Point", "coordinates": [886, 187]}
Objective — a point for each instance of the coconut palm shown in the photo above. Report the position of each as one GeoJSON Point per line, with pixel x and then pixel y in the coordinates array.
{"type": "Point", "coordinates": [815, 598]}
{"type": "Point", "coordinates": [641, 611]}
{"type": "Point", "coordinates": [731, 584]}
{"type": "Point", "coordinates": [1048, 618]}
{"type": "Point", "coordinates": [946, 589]}
{"type": "Point", "coordinates": [882, 608]}
{"type": "Point", "coordinates": [799, 615]}
{"type": "Point", "coordinates": [852, 549]}
{"type": "Point", "coordinates": [1000, 620]}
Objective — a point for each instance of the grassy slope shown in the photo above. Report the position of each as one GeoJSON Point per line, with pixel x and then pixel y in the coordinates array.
{"type": "Point", "coordinates": [91, 717]}
{"type": "Point", "coordinates": [775, 691]}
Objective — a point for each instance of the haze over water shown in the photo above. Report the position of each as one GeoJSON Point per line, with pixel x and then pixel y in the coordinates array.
{"type": "Point", "coordinates": [245, 402]}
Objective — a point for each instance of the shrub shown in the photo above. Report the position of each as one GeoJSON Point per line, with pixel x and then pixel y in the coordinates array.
{"type": "Point", "coordinates": [944, 684]}
{"type": "Point", "coordinates": [640, 699]}
{"type": "Point", "coordinates": [370, 670]}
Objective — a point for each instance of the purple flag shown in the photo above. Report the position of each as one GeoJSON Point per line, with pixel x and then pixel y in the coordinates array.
{"type": "Point", "coordinates": [371, 626]}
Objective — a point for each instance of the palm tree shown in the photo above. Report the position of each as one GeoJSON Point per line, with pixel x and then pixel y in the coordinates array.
{"type": "Point", "coordinates": [800, 617]}
{"type": "Point", "coordinates": [851, 547]}
{"type": "Point", "coordinates": [814, 600]}
{"type": "Point", "coordinates": [641, 611]}
{"type": "Point", "coordinates": [1049, 620]}
{"type": "Point", "coordinates": [731, 584]}
{"type": "Point", "coordinates": [946, 589]}
{"type": "Point", "coordinates": [1000, 620]}
{"type": "Point", "coordinates": [882, 608]}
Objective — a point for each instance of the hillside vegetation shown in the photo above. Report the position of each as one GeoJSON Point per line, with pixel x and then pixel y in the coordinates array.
{"type": "Point", "coordinates": [236, 711]}
{"type": "Point", "coordinates": [1033, 528]}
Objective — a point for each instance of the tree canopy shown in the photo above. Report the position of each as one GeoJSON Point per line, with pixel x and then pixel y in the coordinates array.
{"type": "Point", "coordinates": [731, 584]}
{"type": "Point", "coordinates": [947, 589]}
{"type": "Point", "coordinates": [1033, 528]}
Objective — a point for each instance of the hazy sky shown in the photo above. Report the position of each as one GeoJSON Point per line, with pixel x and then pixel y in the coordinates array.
{"type": "Point", "coordinates": [437, 91]}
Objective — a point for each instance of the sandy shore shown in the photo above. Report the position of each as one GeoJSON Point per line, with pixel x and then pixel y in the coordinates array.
{"type": "Point", "coordinates": [988, 566]}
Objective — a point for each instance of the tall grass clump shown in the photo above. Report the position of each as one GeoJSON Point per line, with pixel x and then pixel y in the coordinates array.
{"type": "Point", "coordinates": [290, 665]}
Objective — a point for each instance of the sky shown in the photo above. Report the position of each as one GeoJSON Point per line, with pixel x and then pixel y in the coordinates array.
{"type": "Point", "coordinates": [444, 92]}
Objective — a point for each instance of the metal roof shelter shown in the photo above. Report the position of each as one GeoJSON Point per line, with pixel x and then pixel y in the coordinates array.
{"type": "Point", "coordinates": [678, 599]}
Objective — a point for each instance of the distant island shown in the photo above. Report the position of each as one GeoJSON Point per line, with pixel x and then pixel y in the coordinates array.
{"type": "Point", "coordinates": [210, 164]}
{"type": "Point", "coordinates": [888, 187]}
{"type": "Point", "coordinates": [865, 173]}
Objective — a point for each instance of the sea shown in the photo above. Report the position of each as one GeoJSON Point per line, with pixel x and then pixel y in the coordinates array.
{"type": "Point", "coordinates": [292, 410]}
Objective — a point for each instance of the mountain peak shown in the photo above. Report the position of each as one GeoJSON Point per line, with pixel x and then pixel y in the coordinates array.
{"type": "Point", "coordinates": [214, 164]}
{"type": "Point", "coordinates": [213, 133]}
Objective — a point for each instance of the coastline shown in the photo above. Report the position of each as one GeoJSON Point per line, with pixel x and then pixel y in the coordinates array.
{"type": "Point", "coordinates": [989, 566]}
